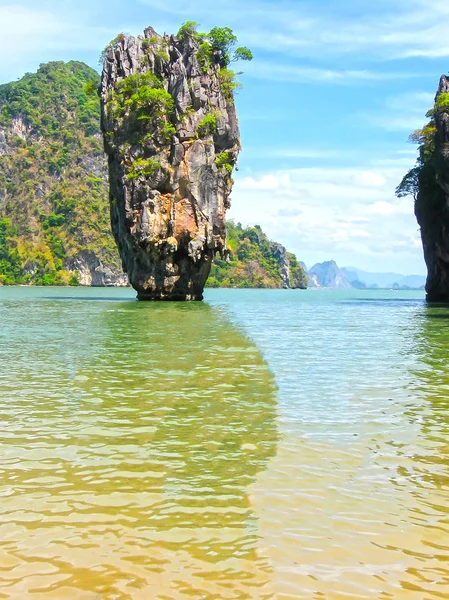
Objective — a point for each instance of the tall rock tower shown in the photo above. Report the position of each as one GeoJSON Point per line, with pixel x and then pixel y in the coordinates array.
{"type": "Point", "coordinates": [172, 140]}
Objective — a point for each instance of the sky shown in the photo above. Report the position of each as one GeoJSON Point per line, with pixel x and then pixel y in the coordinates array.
{"type": "Point", "coordinates": [327, 105]}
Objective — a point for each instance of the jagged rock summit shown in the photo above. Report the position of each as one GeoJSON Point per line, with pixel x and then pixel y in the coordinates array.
{"type": "Point", "coordinates": [172, 140]}
{"type": "Point", "coordinates": [327, 275]}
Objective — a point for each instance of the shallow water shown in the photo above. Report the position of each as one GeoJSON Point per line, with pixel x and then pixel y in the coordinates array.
{"type": "Point", "coordinates": [264, 444]}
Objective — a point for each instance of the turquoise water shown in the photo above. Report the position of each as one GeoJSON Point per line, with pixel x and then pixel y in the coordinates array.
{"type": "Point", "coordinates": [263, 444]}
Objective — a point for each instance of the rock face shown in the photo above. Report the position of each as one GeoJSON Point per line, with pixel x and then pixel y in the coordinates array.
{"type": "Point", "coordinates": [327, 275]}
{"type": "Point", "coordinates": [432, 202]}
{"type": "Point", "coordinates": [172, 139]}
{"type": "Point", "coordinates": [281, 256]}
{"type": "Point", "coordinates": [92, 272]}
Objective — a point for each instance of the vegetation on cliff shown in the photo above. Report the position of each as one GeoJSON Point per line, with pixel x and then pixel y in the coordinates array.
{"type": "Point", "coordinates": [254, 261]}
{"type": "Point", "coordinates": [54, 213]}
{"type": "Point", "coordinates": [423, 175]}
{"type": "Point", "coordinates": [428, 183]}
{"type": "Point", "coordinates": [54, 206]}
{"type": "Point", "coordinates": [172, 139]}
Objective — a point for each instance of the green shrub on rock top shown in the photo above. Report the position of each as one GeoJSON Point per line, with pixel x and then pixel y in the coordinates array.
{"type": "Point", "coordinates": [188, 28]}
{"type": "Point", "coordinates": [217, 46]}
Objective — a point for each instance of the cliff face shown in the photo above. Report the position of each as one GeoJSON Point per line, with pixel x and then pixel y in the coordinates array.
{"type": "Point", "coordinates": [327, 275]}
{"type": "Point", "coordinates": [432, 198]}
{"type": "Point", "coordinates": [172, 140]}
{"type": "Point", "coordinates": [254, 261]}
{"type": "Point", "coordinates": [54, 214]}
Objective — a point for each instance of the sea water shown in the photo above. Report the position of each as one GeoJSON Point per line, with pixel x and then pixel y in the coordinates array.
{"type": "Point", "coordinates": [264, 444]}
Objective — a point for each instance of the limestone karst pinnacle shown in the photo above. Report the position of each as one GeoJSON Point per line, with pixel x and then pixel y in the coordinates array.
{"type": "Point", "coordinates": [432, 195]}
{"type": "Point", "coordinates": [172, 140]}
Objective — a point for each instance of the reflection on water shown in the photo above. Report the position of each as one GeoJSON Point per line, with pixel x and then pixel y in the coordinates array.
{"type": "Point", "coordinates": [130, 436]}
{"type": "Point", "coordinates": [145, 451]}
{"type": "Point", "coordinates": [355, 504]}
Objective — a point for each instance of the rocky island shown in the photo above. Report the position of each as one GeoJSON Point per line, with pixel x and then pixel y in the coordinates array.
{"type": "Point", "coordinates": [54, 209]}
{"type": "Point", "coordinates": [172, 139]}
{"type": "Point", "coordinates": [54, 193]}
{"type": "Point", "coordinates": [428, 183]}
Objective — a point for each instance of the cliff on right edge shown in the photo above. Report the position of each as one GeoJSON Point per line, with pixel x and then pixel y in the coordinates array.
{"type": "Point", "coordinates": [428, 182]}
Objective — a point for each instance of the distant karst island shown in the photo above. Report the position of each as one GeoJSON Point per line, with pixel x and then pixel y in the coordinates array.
{"type": "Point", "coordinates": [327, 275]}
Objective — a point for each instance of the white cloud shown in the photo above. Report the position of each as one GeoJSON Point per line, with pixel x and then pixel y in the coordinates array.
{"type": "Point", "coordinates": [351, 215]}
{"type": "Point", "coordinates": [297, 152]}
{"type": "Point", "coordinates": [295, 28]}
{"type": "Point", "coordinates": [301, 74]}
{"type": "Point", "coordinates": [402, 112]}
{"type": "Point", "coordinates": [51, 32]}
{"type": "Point", "coordinates": [388, 30]}
{"type": "Point", "coordinates": [26, 29]}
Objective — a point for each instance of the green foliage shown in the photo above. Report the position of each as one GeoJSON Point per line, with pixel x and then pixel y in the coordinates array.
{"type": "Point", "coordinates": [167, 131]}
{"type": "Point", "coordinates": [189, 28]}
{"type": "Point", "coordinates": [10, 271]}
{"type": "Point", "coordinates": [222, 40]}
{"type": "Point", "coordinates": [223, 160]}
{"type": "Point", "coordinates": [53, 99]}
{"type": "Point", "coordinates": [141, 97]}
{"type": "Point", "coordinates": [90, 88]}
{"type": "Point", "coordinates": [442, 102]}
{"type": "Point", "coordinates": [242, 53]}
{"type": "Point", "coordinates": [150, 42]}
{"type": "Point", "coordinates": [298, 276]}
{"type": "Point", "coordinates": [145, 167]}
{"type": "Point", "coordinates": [205, 56]}
{"type": "Point", "coordinates": [54, 183]}
{"type": "Point", "coordinates": [228, 82]}
{"type": "Point", "coordinates": [207, 126]}
{"type": "Point", "coordinates": [253, 262]}
{"type": "Point", "coordinates": [53, 220]}
{"type": "Point", "coordinates": [133, 83]}
{"type": "Point", "coordinates": [409, 185]}
{"type": "Point", "coordinates": [158, 103]}
{"type": "Point", "coordinates": [424, 176]}
{"type": "Point", "coordinates": [216, 47]}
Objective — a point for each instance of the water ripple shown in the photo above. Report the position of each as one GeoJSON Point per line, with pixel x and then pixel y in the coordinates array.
{"type": "Point", "coordinates": [268, 445]}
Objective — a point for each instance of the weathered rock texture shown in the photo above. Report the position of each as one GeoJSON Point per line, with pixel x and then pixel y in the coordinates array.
{"type": "Point", "coordinates": [170, 170]}
{"type": "Point", "coordinates": [432, 205]}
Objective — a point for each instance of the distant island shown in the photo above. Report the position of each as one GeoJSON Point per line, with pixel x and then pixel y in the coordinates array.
{"type": "Point", "coordinates": [328, 275]}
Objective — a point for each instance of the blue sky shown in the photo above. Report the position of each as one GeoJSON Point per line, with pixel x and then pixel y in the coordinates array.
{"type": "Point", "coordinates": [334, 90]}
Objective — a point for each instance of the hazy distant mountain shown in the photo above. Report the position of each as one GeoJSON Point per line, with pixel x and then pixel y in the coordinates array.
{"type": "Point", "coordinates": [382, 280]}
{"type": "Point", "coordinates": [327, 275]}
